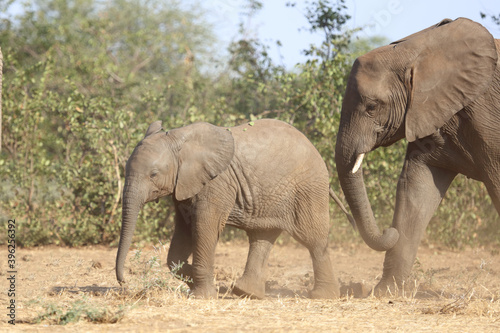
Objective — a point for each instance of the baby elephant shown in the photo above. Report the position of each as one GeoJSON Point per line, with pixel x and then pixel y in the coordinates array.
{"type": "Point", "coordinates": [263, 177]}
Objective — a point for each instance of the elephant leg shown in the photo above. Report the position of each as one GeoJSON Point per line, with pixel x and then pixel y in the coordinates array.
{"type": "Point", "coordinates": [311, 230]}
{"type": "Point", "coordinates": [253, 281]}
{"type": "Point", "coordinates": [420, 190]}
{"type": "Point", "coordinates": [325, 284]}
{"type": "Point", "coordinates": [207, 222]}
{"type": "Point", "coordinates": [181, 248]}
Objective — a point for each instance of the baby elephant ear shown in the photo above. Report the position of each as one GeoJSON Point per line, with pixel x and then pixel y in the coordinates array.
{"type": "Point", "coordinates": [205, 151]}
{"type": "Point", "coordinates": [154, 128]}
{"type": "Point", "coordinates": [453, 64]}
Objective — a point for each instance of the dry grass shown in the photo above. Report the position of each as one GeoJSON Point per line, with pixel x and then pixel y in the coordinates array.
{"type": "Point", "coordinates": [75, 290]}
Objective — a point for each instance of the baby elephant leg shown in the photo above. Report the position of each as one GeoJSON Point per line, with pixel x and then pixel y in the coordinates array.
{"type": "Point", "coordinates": [325, 284]}
{"type": "Point", "coordinates": [181, 248]}
{"type": "Point", "coordinates": [253, 281]}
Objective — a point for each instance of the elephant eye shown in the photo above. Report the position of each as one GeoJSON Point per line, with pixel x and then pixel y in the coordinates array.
{"type": "Point", "coordinates": [154, 174]}
{"type": "Point", "coordinates": [370, 108]}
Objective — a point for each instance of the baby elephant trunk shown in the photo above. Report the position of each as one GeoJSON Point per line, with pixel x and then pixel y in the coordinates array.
{"type": "Point", "coordinates": [131, 207]}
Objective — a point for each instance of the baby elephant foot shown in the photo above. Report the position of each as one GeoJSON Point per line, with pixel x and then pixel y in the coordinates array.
{"type": "Point", "coordinates": [328, 290]}
{"type": "Point", "coordinates": [392, 288]}
{"type": "Point", "coordinates": [204, 292]}
{"type": "Point", "coordinates": [253, 288]}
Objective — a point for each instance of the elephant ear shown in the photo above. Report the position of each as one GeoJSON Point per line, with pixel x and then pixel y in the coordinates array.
{"type": "Point", "coordinates": [443, 22]}
{"type": "Point", "coordinates": [204, 152]}
{"type": "Point", "coordinates": [453, 63]}
{"type": "Point", "coordinates": [154, 128]}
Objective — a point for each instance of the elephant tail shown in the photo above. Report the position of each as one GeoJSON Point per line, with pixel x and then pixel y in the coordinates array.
{"type": "Point", "coordinates": [342, 207]}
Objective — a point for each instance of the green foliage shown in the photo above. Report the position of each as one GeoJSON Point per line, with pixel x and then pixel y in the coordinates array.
{"type": "Point", "coordinates": [466, 217]}
{"type": "Point", "coordinates": [83, 79]}
{"type": "Point", "coordinates": [494, 18]}
{"type": "Point", "coordinates": [78, 310]}
{"type": "Point", "coordinates": [56, 145]}
{"type": "Point", "coordinates": [330, 18]}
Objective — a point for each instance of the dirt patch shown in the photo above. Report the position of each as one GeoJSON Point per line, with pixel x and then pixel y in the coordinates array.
{"type": "Point", "coordinates": [450, 290]}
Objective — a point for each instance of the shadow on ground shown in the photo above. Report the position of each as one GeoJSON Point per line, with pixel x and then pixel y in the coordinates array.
{"type": "Point", "coordinates": [93, 290]}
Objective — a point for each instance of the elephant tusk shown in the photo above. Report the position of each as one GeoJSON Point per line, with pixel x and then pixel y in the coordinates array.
{"type": "Point", "coordinates": [357, 165]}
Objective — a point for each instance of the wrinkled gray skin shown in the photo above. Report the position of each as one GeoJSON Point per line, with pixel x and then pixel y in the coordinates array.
{"type": "Point", "coordinates": [439, 89]}
{"type": "Point", "coordinates": [262, 177]}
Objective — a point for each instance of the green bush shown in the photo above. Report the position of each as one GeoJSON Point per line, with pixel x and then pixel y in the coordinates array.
{"type": "Point", "coordinates": [83, 79]}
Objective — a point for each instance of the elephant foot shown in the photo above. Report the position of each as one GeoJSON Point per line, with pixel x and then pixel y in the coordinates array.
{"type": "Point", "coordinates": [245, 287]}
{"type": "Point", "coordinates": [383, 289]}
{"type": "Point", "coordinates": [391, 288]}
{"type": "Point", "coordinates": [328, 290]}
{"type": "Point", "coordinates": [204, 293]}
{"type": "Point", "coordinates": [356, 290]}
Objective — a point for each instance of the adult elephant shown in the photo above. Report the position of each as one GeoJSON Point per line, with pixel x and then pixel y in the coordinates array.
{"type": "Point", "coordinates": [263, 177]}
{"type": "Point", "coordinates": [440, 89]}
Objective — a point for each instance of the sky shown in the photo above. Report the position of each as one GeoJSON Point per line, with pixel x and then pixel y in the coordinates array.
{"type": "Point", "coordinates": [393, 19]}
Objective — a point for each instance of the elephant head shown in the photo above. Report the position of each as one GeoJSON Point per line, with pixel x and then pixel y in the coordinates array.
{"type": "Point", "coordinates": [180, 161]}
{"type": "Point", "coordinates": [408, 89]}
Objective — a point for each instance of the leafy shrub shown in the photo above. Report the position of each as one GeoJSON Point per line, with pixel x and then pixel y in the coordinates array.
{"type": "Point", "coordinates": [83, 79]}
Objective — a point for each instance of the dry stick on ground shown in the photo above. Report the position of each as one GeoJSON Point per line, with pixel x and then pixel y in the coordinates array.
{"type": "Point", "coordinates": [459, 304]}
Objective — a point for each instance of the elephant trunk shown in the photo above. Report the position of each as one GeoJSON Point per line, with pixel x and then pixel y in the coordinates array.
{"type": "Point", "coordinates": [131, 206]}
{"type": "Point", "coordinates": [351, 179]}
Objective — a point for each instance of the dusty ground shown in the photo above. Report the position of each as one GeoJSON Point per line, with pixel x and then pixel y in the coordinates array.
{"type": "Point", "coordinates": [452, 292]}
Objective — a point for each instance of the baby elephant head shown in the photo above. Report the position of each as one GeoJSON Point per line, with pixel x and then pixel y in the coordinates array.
{"type": "Point", "coordinates": [151, 169]}
{"type": "Point", "coordinates": [180, 161]}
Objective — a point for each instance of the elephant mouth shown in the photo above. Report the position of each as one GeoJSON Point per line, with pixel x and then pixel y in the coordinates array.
{"type": "Point", "coordinates": [157, 195]}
